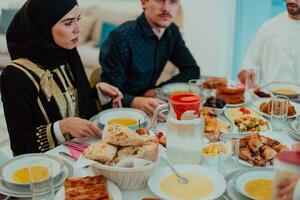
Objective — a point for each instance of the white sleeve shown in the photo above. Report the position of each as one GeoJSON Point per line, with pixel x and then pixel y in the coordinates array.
{"type": "Point", "coordinates": [102, 97]}
{"type": "Point", "coordinates": [296, 195]}
{"type": "Point", "coordinates": [57, 132]}
{"type": "Point", "coordinates": [253, 56]}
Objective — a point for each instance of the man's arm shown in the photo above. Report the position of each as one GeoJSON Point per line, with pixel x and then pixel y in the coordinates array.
{"type": "Point", "coordinates": [182, 58]}
{"type": "Point", "coordinates": [113, 58]}
{"type": "Point", "coordinates": [252, 59]}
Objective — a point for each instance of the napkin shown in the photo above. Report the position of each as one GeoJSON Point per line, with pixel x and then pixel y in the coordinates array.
{"type": "Point", "coordinates": [75, 153]}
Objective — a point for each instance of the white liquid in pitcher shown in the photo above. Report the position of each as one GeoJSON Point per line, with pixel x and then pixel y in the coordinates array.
{"type": "Point", "coordinates": [184, 140]}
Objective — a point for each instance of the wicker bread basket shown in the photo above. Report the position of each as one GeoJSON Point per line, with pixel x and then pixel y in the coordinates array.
{"type": "Point", "coordinates": [125, 178]}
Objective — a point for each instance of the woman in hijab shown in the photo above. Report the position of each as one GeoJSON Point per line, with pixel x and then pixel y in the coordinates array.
{"type": "Point", "coordinates": [45, 92]}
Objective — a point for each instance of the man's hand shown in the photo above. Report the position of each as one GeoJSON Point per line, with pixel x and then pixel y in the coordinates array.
{"type": "Point", "coordinates": [149, 93]}
{"type": "Point", "coordinates": [78, 127]}
{"type": "Point", "coordinates": [148, 105]}
{"type": "Point", "coordinates": [243, 76]}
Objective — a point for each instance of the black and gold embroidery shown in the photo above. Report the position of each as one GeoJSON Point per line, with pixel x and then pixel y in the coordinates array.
{"type": "Point", "coordinates": [44, 138]}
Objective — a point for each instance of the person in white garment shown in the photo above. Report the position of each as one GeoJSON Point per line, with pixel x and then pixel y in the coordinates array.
{"type": "Point", "coordinates": [289, 189]}
{"type": "Point", "coordinates": [275, 51]}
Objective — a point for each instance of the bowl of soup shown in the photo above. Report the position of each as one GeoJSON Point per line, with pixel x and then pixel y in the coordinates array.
{"type": "Point", "coordinates": [15, 172]}
{"type": "Point", "coordinates": [282, 88]}
{"type": "Point", "coordinates": [130, 117]}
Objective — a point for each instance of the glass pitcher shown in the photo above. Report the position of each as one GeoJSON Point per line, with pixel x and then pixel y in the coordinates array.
{"type": "Point", "coordinates": [184, 128]}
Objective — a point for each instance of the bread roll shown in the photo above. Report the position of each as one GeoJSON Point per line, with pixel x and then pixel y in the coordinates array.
{"type": "Point", "coordinates": [123, 136]}
{"type": "Point", "coordinates": [102, 152]}
{"type": "Point", "coordinates": [148, 152]}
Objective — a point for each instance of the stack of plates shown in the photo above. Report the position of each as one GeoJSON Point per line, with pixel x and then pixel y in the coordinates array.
{"type": "Point", "coordinates": [60, 170]}
{"type": "Point", "coordinates": [294, 130]}
{"type": "Point", "coordinates": [236, 181]}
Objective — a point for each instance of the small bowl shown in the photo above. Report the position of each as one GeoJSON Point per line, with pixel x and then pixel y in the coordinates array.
{"type": "Point", "coordinates": [22, 161]}
{"type": "Point", "coordinates": [104, 117]}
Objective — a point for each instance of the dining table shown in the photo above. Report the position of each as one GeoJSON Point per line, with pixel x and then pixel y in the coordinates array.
{"type": "Point", "coordinates": [145, 192]}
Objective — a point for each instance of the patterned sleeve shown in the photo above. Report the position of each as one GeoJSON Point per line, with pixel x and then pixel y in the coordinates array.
{"type": "Point", "coordinates": [28, 130]}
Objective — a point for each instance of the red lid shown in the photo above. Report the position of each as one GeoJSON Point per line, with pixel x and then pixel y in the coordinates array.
{"type": "Point", "coordinates": [291, 157]}
{"type": "Point", "coordinates": [183, 102]}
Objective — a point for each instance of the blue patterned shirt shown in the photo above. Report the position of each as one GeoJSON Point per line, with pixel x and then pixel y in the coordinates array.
{"type": "Point", "coordinates": [133, 58]}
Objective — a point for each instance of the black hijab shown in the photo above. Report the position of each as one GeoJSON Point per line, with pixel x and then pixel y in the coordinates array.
{"type": "Point", "coordinates": [29, 36]}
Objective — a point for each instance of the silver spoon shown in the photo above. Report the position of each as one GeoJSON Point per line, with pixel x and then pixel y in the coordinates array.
{"type": "Point", "coordinates": [181, 179]}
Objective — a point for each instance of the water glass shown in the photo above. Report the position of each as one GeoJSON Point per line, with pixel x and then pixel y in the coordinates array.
{"type": "Point", "coordinates": [229, 158]}
{"type": "Point", "coordinates": [279, 112]}
{"type": "Point", "coordinates": [41, 180]}
{"type": "Point", "coordinates": [195, 86]}
{"type": "Point", "coordinates": [252, 79]}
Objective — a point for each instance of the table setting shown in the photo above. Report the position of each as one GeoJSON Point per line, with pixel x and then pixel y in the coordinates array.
{"type": "Point", "coordinates": [234, 153]}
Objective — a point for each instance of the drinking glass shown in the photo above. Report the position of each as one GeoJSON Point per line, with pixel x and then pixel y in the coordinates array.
{"type": "Point", "coordinates": [195, 86]}
{"type": "Point", "coordinates": [252, 79]}
{"type": "Point", "coordinates": [279, 112]}
{"type": "Point", "coordinates": [229, 153]}
{"type": "Point", "coordinates": [41, 180]}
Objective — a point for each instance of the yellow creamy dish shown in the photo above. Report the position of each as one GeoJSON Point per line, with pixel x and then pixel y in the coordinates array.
{"type": "Point", "coordinates": [22, 175]}
{"type": "Point", "coordinates": [125, 121]}
{"type": "Point", "coordinates": [198, 186]}
{"type": "Point", "coordinates": [259, 189]}
{"type": "Point", "coordinates": [180, 92]}
{"type": "Point", "coordinates": [285, 91]}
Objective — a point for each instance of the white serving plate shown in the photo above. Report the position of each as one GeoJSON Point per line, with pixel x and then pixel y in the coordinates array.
{"type": "Point", "coordinates": [218, 111]}
{"type": "Point", "coordinates": [24, 192]}
{"type": "Point", "coordinates": [159, 174]}
{"type": "Point", "coordinates": [113, 190]}
{"type": "Point", "coordinates": [279, 137]}
{"type": "Point", "coordinates": [241, 179]}
{"type": "Point", "coordinates": [107, 115]}
{"type": "Point", "coordinates": [257, 103]}
{"type": "Point", "coordinates": [231, 192]}
{"type": "Point", "coordinates": [254, 114]}
{"type": "Point", "coordinates": [277, 85]}
{"type": "Point", "coordinates": [24, 161]}
{"type": "Point", "coordinates": [295, 127]}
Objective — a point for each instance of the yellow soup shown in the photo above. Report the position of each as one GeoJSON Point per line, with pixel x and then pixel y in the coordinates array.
{"type": "Point", "coordinates": [39, 173]}
{"type": "Point", "coordinates": [125, 121]}
{"type": "Point", "coordinates": [180, 92]}
{"type": "Point", "coordinates": [259, 188]}
{"type": "Point", "coordinates": [285, 91]}
{"type": "Point", "coordinates": [198, 186]}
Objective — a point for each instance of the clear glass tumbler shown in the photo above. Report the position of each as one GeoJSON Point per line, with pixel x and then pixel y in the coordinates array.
{"type": "Point", "coordinates": [279, 112]}
{"type": "Point", "coordinates": [229, 153]}
{"type": "Point", "coordinates": [195, 86]}
{"type": "Point", "coordinates": [41, 180]}
{"type": "Point", "coordinates": [252, 79]}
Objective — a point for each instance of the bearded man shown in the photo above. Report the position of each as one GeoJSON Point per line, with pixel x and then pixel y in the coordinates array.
{"type": "Point", "coordinates": [137, 51]}
{"type": "Point", "coordinates": [275, 51]}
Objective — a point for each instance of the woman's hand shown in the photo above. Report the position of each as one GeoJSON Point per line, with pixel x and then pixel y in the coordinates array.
{"type": "Point", "coordinates": [112, 92]}
{"type": "Point", "coordinates": [296, 146]}
{"type": "Point", "coordinates": [78, 127]}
